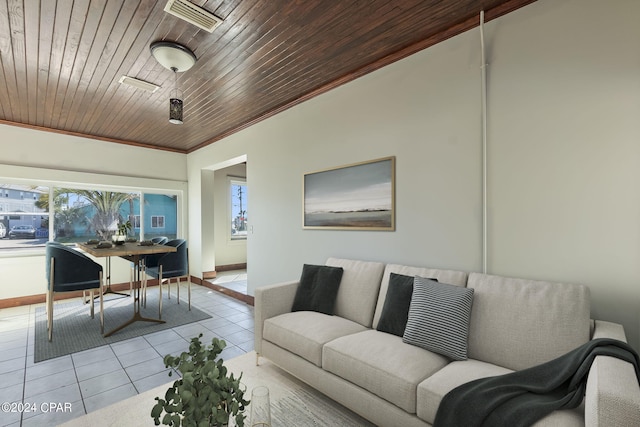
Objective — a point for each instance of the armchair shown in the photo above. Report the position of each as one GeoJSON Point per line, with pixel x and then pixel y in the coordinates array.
{"type": "Point", "coordinates": [67, 271]}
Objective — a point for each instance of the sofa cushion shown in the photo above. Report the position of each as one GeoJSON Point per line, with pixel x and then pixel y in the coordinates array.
{"type": "Point", "coordinates": [358, 290]}
{"type": "Point", "coordinates": [318, 289]}
{"type": "Point", "coordinates": [439, 318]}
{"type": "Point", "coordinates": [395, 311]}
{"type": "Point", "coordinates": [305, 332]}
{"type": "Point", "coordinates": [382, 364]}
{"type": "Point", "coordinates": [452, 277]}
{"type": "Point", "coordinates": [432, 390]}
{"type": "Point", "coordinates": [518, 323]}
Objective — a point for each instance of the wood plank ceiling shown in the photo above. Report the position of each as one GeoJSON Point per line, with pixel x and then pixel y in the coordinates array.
{"type": "Point", "coordinates": [60, 60]}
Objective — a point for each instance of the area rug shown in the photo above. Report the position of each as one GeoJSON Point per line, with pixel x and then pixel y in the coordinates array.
{"type": "Point", "coordinates": [74, 330]}
{"type": "Point", "coordinates": [293, 403]}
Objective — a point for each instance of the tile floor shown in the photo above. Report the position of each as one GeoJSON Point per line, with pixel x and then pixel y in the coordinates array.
{"type": "Point", "coordinates": [235, 280]}
{"type": "Point", "coordinates": [98, 377]}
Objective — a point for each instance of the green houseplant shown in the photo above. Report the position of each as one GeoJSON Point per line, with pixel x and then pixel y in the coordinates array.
{"type": "Point", "coordinates": [124, 228]}
{"type": "Point", "coordinates": [206, 395]}
{"type": "Point", "coordinates": [121, 235]}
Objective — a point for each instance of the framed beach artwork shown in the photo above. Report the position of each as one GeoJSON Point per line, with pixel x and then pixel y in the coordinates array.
{"type": "Point", "coordinates": [359, 196]}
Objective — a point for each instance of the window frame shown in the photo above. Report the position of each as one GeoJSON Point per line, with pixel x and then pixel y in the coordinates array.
{"type": "Point", "coordinates": [24, 175]}
{"type": "Point", "coordinates": [157, 226]}
{"type": "Point", "coordinates": [231, 181]}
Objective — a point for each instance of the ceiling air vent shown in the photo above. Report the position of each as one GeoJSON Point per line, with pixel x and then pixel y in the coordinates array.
{"type": "Point", "coordinates": [138, 84]}
{"type": "Point", "coordinates": [193, 14]}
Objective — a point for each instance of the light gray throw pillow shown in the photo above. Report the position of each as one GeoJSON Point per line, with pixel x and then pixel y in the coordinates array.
{"type": "Point", "coordinates": [439, 318]}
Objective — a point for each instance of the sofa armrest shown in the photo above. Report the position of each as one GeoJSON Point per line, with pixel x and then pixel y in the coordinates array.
{"type": "Point", "coordinates": [604, 329]}
{"type": "Point", "coordinates": [271, 301]}
{"type": "Point", "coordinates": [613, 394]}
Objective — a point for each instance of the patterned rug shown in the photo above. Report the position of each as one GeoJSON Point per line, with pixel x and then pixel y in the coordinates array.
{"type": "Point", "coordinates": [293, 403]}
{"type": "Point", "coordinates": [74, 330]}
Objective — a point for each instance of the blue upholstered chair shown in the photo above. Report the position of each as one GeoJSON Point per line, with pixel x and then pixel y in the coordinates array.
{"type": "Point", "coordinates": [67, 271]}
{"type": "Point", "coordinates": [160, 240]}
{"type": "Point", "coordinates": [171, 265]}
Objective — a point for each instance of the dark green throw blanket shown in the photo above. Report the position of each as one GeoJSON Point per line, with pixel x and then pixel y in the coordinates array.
{"type": "Point", "coordinates": [523, 397]}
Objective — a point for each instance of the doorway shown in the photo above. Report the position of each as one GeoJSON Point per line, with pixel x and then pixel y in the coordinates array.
{"type": "Point", "coordinates": [225, 236]}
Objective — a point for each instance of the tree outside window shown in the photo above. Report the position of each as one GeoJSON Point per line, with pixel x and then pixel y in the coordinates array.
{"type": "Point", "coordinates": [87, 214]}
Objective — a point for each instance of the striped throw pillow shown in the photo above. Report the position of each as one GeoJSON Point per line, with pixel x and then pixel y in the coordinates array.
{"type": "Point", "coordinates": [439, 318]}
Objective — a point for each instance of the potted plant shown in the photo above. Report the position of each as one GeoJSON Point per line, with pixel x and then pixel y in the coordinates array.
{"type": "Point", "coordinates": [206, 395]}
{"type": "Point", "coordinates": [121, 235]}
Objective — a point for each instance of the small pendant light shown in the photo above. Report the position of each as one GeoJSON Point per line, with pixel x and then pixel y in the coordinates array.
{"type": "Point", "coordinates": [175, 102]}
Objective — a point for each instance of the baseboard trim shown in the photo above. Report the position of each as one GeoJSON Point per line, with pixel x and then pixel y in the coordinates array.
{"type": "Point", "coordinates": [247, 299]}
{"type": "Point", "coordinates": [42, 298]}
{"type": "Point", "coordinates": [119, 287]}
{"type": "Point", "coordinates": [209, 274]}
{"type": "Point", "coordinates": [229, 267]}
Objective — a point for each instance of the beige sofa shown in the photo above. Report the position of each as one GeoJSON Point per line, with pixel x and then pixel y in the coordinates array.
{"type": "Point", "coordinates": [514, 324]}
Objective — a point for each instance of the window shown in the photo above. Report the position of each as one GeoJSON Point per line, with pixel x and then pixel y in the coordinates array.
{"type": "Point", "coordinates": [24, 215]}
{"type": "Point", "coordinates": [238, 212]}
{"type": "Point", "coordinates": [81, 215]}
{"type": "Point", "coordinates": [160, 216]}
{"type": "Point", "coordinates": [157, 221]}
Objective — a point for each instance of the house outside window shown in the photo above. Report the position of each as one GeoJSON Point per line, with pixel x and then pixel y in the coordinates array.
{"type": "Point", "coordinates": [160, 216]}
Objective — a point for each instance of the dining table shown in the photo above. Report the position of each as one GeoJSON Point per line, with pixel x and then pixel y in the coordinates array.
{"type": "Point", "coordinates": [133, 252]}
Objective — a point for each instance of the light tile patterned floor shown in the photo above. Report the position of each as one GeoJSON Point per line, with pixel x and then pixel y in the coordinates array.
{"type": "Point", "coordinates": [98, 377]}
{"type": "Point", "coordinates": [235, 280]}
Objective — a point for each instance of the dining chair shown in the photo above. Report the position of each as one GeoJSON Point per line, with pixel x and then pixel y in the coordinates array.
{"type": "Point", "coordinates": [67, 271]}
{"type": "Point", "coordinates": [171, 265]}
{"type": "Point", "coordinates": [144, 260]}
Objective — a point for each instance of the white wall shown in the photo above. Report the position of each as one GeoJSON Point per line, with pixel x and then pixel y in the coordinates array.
{"type": "Point", "coordinates": [45, 158]}
{"type": "Point", "coordinates": [565, 151]}
{"type": "Point", "coordinates": [563, 162]}
{"type": "Point", "coordinates": [32, 148]}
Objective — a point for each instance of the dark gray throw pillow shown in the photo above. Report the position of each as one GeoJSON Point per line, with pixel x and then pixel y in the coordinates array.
{"type": "Point", "coordinates": [318, 289]}
{"type": "Point", "coordinates": [439, 317]}
{"type": "Point", "coordinates": [395, 310]}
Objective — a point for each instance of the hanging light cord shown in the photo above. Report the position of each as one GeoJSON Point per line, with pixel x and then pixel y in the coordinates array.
{"type": "Point", "coordinates": [175, 80]}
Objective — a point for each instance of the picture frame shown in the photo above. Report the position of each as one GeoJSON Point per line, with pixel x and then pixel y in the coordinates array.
{"type": "Point", "coordinates": [358, 196]}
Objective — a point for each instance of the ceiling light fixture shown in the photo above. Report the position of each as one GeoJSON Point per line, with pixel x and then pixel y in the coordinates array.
{"type": "Point", "coordinates": [177, 58]}
{"type": "Point", "coordinates": [173, 55]}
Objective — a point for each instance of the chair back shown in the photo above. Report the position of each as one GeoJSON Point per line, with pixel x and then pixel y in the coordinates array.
{"type": "Point", "coordinates": [72, 270]}
{"type": "Point", "coordinates": [160, 240]}
{"type": "Point", "coordinates": [175, 264]}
